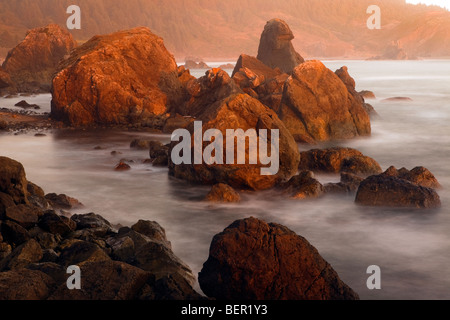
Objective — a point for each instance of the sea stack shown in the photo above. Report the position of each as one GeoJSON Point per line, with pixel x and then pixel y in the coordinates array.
{"type": "Point", "coordinates": [276, 49]}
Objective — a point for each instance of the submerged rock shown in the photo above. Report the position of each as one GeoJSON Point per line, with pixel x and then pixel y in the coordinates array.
{"type": "Point", "coordinates": [33, 62]}
{"type": "Point", "coordinates": [120, 78]}
{"type": "Point", "coordinates": [222, 193]}
{"type": "Point", "coordinates": [337, 114]}
{"type": "Point", "coordinates": [254, 260]}
{"type": "Point", "coordinates": [303, 186]}
{"type": "Point", "coordinates": [275, 47]}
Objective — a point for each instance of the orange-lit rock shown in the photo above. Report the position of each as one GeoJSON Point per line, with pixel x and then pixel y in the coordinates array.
{"type": "Point", "coordinates": [120, 78]}
{"type": "Point", "coordinates": [32, 63]}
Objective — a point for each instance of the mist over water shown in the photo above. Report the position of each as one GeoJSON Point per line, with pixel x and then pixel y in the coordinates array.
{"type": "Point", "coordinates": [411, 247]}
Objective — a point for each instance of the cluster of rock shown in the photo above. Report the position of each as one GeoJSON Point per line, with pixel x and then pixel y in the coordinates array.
{"type": "Point", "coordinates": [37, 245]}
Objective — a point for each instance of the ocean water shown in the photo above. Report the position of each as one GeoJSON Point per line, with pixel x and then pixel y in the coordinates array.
{"type": "Point", "coordinates": [411, 247]}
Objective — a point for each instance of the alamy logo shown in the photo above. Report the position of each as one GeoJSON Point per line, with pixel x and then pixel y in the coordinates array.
{"type": "Point", "coordinates": [374, 21]}
{"type": "Point", "coordinates": [236, 147]}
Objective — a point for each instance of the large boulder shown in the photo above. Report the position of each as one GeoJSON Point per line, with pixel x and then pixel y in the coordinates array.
{"type": "Point", "coordinates": [33, 62]}
{"type": "Point", "coordinates": [233, 112]}
{"type": "Point", "coordinates": [254, 260]}
{"type": "Point", "coordinates": [13, 180]}
{"type": "Point", "coordinates": [120, 78]}
{"type": "Point", "coordinates": [398, 189]}
{"type": "Point", "coordinates": [317, 106]}
{"type": "Point", "coordinates": [25, 284]}
{"type": "Point", "coordinates": [275, 47]}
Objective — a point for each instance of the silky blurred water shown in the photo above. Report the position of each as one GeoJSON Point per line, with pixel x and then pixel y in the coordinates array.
{"type": "Point", "coordinates": [412, 248]}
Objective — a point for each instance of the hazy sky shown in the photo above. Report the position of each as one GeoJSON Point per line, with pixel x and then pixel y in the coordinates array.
{"type": "Point", "coordinates": [442, 3]}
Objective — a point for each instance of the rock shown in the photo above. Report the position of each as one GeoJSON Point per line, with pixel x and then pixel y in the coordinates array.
{"type": "Point", "coordinates": [161, 161]}
{"type": "Point", "coordinates": [56, 272]}
{"type": "Point", "coordinates": [105, 280]}
{"type": "Point", "coordinates": [78, 251]}
{"type": "Point", "coordinates": [385, 190]}
{"type": "Point", "coordinates": [394, 52]}
{"type": "Point", "coordinates": [275, 47]}
{"type": "Point", "coordinates": [419, 175]}
{"type": "Point", "coordinates": [47, 240]}
{"type": "Point", "coordinates": [222, 193]}
{"type": "Point", "coordinates": [5, 250]}
{"type": "Point", "coordinates": [25, 105]}
{"type": "Point", "coordinates": [32, 63]}
{"type": "Point", "coordinates": [152, 230]}
{"type": "Point", "coordinates": [253, 260]}
{"type": "Point", "coordinates": [172, 287]}
{"type": "Point", "coordinates": [127, 77]}
{"type": "Point", "coordinates": [5, 202]}
{"type": "Point", "coordinates": [303, 186]}
{"type": "Point", "coordinates": [335, 160]}
{"type": "Point", "coordinates": [24, 284]}
{"type": "Point", "coordinates": [190, 64]}
{"type": "Point", "coordinates": [92, 221]}
{"type": "Point", "coordinates": [36, 196]}
{"type": "Point", "coordinates": [215, 86]}
{"type": "Point", "coordinates": [13, 233]}
{"type": "Point", "coordinates": [343, 74]}
{"type": "Point", "coordinates": [349, 184]}
{"type": "Point", "coordinates": [317, 106]}
{"type": "Point", "coordinates": [140, 144]}
{"type": "Point", "coordinates": [157, 149]}
{"type": "Point", "coordinates": [157, 258]}
{"type": "Point", "coordinates": [22, 256]}
{"type": "Point", "coordinates": [257, 67]}
{"type": "Point", "coordinates": [239, 111]}
{"type": "Point", "coordinates": [56, 224]}
{"type": "Point", "coordinates": [227, 66]}
{"type": "Point", "coordinates": [24, 215]}
{"type": "Point", "coordinates": [361, 165]}
{"type": "Point", "coordinates": [367, 94]}
{"type": "Point", "coordinates": [177, 122]}
{"type": "Point", "coordinates": [122, 166]}
{"type": "Point", "coordinates": [6, 84]}
{"type": "Point", "coordinates": [122, 248]}
{"type": "Point", "coordinates": [13, 180]}
{"type": "Point", "coordinates": [397, 99]}
{"type": "Point", "coordinates": [62, 201]}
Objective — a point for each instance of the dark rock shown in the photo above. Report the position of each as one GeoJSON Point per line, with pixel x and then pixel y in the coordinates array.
{"type": "Point", "coordinates": [36, 196]}
{"type": "Point", "coordinates": [22, 256]}
{"type": "Point", "coordinates": [390, 191]}
{"type": "Point", "coordinates": [25, 215]}
{"type": "Point", "coordinates": [161, 161]}
{"type": "Point", "coordinates": [172, 287]}
{"type": "Point", "coordinates": [222, 193]}
{"type": "Point", "coordinates": [13, 233]}
{"type": "Point", "coordinates": [105, 280]}
{"type": "Point", "coordinates": [361, 165]}
{"type": "Point", "coordinates": [303, 186]}
{"type": "Point", "coordinates": [78, 251]}
{"type": "Point", "coordinates": [349, 184]}
{"type": "Point", "coordinates": [24, 284]}
{"type": "Point", "coordinates": [140, 144]}
{"type": "Point", "coordinates": [47, 240]}
{"type": "Point", "coordinates": [159, 259]}
{"type": "Point", "coordinates": [122, 248]}
{"type": "Point", "coordinates": [275, 47]}
{"type": "Point", "coordinates": [56, 272]}
{"type": "Point", "coordinates": [5, 250]}
{"type": "Point", "coordinates": [25, 105]}
{"type": "Point", "coordinates": [5, 202]}
{"type": "Point", "coordinates": [253, 260]}
{"type": "Point", "coordinates": [177, 122]}
{"type": "Point", "coordinates": [62, 201]}
{"type": "Point", "coordinates": [13, 180]}
{"type": "Point", "coordinates": [152, 230]}
{"type": "Point", "coordinates": [90, 221]}
{"type": "Point", "coordinates": [56, 224]}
